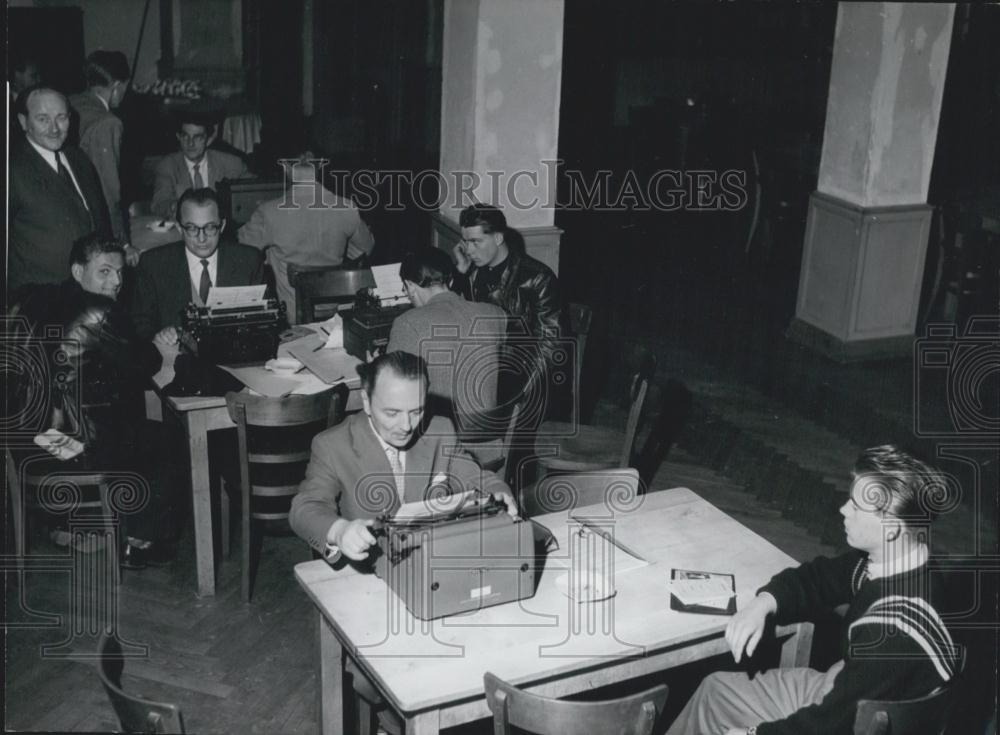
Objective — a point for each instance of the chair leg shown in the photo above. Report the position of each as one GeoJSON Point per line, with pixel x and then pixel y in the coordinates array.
{"type": "Point", "coordinates": [17, 509]}
{"type": "Point", "coordinates": [247, 545]}
{"type": "Point", "coordinates": [224, 520]}
{"type": "Point", "coordinates": [110, 534]}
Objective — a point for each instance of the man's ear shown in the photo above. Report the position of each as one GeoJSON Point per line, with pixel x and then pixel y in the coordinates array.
{"type": "Point", "coordinates": [366, 402]}
{"type": "Point", "coordinates": [77, 270]}
{"type": "Point", "coordinates": [24, 121]}
{"type": "Point", "coordinates": [222, 226]}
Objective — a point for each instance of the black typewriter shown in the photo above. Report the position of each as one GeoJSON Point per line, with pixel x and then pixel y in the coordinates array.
{"type": "Point", "coordinates": [234, 335]}
{"type": "Point", "coordinates": [367, 325]}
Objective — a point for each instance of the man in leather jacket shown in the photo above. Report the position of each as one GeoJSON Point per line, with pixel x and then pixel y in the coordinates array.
{"type": "Point", "coordinates": [493, 271]}
{"type": "Point", "coordinates": [97, 372]}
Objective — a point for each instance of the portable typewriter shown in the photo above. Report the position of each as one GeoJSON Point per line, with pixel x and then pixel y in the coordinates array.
{"type": "Point", "coordinates": [367, 325]}
{"type": "Point", "coordinates": [456, 560]}
{"type": "Point", "coordinates": [232, 335]}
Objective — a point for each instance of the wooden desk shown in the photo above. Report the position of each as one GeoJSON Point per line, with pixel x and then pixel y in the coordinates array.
{"type": "Point", "coordinates": [432, 672]}
{"type": "Point", "coordinates": [200, 415]}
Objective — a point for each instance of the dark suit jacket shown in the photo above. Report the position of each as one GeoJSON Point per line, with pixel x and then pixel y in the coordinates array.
{"type": "Point", "coordinates": [163, 282]}
{"type": "Point", "coordinates": [349, 475]}
{"type": "Point", "coordinates": [173, 179]}
{"type": "Point", "coordinates": [46, 214]}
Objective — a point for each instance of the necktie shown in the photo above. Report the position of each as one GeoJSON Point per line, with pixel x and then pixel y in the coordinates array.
{"type": "Point", "coordinates": [397, 469]}
{"type": "Point", "coordinates": [65, 176]}
{"type": "Point", "coordinates": [199, 183]}
{"type": "Point", "coordinates": [206, 282]}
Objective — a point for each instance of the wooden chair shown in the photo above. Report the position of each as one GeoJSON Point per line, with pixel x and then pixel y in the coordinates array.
{"type": "Point", "coordinates": [633, 715]}
{"type": "Point", "coordinates": [274, 437]}
{"type": "Point", "coordinates": [927, 715]}
{"type": "Point", "coordinates": [566, 492]}
{"type": "Point", "coordinates": [135, 714]}
{"type": "Point", "coordinates": [325, 285]}
{"type": "Point", "coordinates": [565, 447]}
{"type": "Point", "coordinates": [482, 439]}
{"type": "Point", "coordinates": [579, 317]}
{"type": "Point", "coordinates": [41, 471]}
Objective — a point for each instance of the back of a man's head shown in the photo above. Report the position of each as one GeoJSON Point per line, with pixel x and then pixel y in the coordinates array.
{"type": "Point", "coordinates": [486, 216]}
{"type": "Point", "coordinates": [399, 365]}
{"type": "Point", "coordinates": [427, 267]}
{"type": "Point", "coordinates": [104, 68]}
{"type": "Point", "coordinates": [907, 487]}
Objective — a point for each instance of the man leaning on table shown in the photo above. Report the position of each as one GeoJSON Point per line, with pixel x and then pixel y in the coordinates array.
{"type": "Point", "coordinates": [896, 645]}
{"type": "Point", "coordinates": [380, 457]}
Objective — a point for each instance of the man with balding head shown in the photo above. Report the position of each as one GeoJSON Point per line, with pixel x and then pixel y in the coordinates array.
{"type": "Point", "coordinates": [54, 195]}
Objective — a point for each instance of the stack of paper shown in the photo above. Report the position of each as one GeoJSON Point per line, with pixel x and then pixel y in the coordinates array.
{"type": "Point", "coordinates": [388, 285]}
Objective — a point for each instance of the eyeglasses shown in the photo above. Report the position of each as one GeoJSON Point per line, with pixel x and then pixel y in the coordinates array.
{"type": "Point", "coordinates": [196, 138]}
{"type": "Point", "coordinates": [210, 230]}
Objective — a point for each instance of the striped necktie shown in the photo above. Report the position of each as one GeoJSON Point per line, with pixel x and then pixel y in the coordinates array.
{"type": "Point", "coordinates": [397, 470]}
{"type": "Point", "coordinates": [199, 182]}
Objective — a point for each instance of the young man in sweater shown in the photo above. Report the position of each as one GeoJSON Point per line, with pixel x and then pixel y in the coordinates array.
{"type": "Point", "coordinates": [896, 645]}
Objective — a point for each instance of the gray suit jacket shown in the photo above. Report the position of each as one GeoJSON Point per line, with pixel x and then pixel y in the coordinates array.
{"type": "Point", "coordinates": [349, 475]}
{"type": "Point", "coordinates": [173, 179]}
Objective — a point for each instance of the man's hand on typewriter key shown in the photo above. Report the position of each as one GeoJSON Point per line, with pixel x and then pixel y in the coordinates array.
{"type": "Point", "coordinates": [355, 539]}
{"type": "Point", "coordinates": [508, 500]}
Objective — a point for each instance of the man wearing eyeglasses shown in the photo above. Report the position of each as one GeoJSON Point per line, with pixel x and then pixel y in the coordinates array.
{"type": "Point", "coordinates": [172, 276]}
{"type": "Point", "coordinates": [194, 166]}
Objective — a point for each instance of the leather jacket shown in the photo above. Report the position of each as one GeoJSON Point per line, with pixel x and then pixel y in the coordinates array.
{"type": "Point", "coordinates": [529, 292]}
{"type": "Point", "coordinates": [96, 367]}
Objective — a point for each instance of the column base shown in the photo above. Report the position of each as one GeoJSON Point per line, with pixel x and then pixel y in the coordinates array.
{"type": "Point", "coordinates": [837, 349]}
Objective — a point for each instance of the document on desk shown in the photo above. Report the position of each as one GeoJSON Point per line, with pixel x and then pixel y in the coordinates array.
{"type": "Point", "coordinates": [235, 297]}
{"type": "Point", "coordinates": [596, 537]}
{"type": "Point", "coordinates": [262, 381]}
{"type": "Point", "coordinates": [388, 285]}
{"type": "Point", "coordinates": [330, 366]}
{"type": "Point", "coordinates": [708, 593]}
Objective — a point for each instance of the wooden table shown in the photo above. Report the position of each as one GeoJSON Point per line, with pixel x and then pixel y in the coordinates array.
{"type": "Point", "coordinates": [148, 234]}
{"type": "Point", "coordinates": [432, 672]}
{"type": "Point", "coordinates": [198, 416]}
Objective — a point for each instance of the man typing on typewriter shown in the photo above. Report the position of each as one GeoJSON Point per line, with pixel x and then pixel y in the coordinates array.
{"type": "Point", "coordinates": [382, 457]}
{"type": "Point", "coordinates": [172, 276]}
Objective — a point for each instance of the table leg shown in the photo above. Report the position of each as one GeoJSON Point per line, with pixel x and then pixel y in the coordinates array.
{"type": "Point", "coordinates": [796, 648]}
{"type": "Point", "coordinates": [330, 682]}
{"type": "Point", "coordinates": [426, 723]}
{"type": "Point", "coordinates": [201, 501]}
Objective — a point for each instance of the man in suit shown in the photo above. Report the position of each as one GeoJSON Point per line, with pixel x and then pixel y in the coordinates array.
{"type": "Point", "coordinates": [309, 225]}
{"type": "Point", "coordinates": [100, 130]}
{"type": "Point", "coordinates": [171, 276]}
{"type": "Point", "coordinates": [194, 166]}
{"type": "Point", "coordinates": [55, 195]}
{"type": "Point", "coordinates": [381, 457]}
{"type": "Point", "coordinates": [459, 339]}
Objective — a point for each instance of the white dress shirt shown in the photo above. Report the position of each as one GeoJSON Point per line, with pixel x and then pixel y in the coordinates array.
{"type": "Point", "coordinates": [195, 268]}
{"type": "Point", "coordinates": [202, 169]}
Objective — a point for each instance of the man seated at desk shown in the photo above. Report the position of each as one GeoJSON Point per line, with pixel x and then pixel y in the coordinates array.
{"type": "Point", "coordinates": [379, 458]}
{"type": "Point", "coordinates": [896, 646]}
{"type": "Point", "coordinates": [171, 276]}
{"type": "Point", "coordinates": [194, 166]}
{"type": "Point", "coordinates": [307, 226]}
{"type": "Point", "coordinates": [460, 340]}
{"type": "Point", "coordinates": [99, 370]}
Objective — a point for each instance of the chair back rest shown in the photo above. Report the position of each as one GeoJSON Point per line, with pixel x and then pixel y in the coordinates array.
{"type": "Point", "coordinates": [927, 715]}
{"type": "Point", "coordinates": [638, 388]}
{"type": "Point", "coordinates": [579, 317]}
{"type": "Point", "coordinates": [634, 715]}
{"type": "Point", "coordinates": [559, 493]}
{"type": "Point", "coordinates": [135, 714]}
{"type": "Point", "coordinates": [325, 285]}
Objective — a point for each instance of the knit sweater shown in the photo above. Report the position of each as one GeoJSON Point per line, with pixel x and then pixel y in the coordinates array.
{"type": "Point", "coordinates": [896, 645]}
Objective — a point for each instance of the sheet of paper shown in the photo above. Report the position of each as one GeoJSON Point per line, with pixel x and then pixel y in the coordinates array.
{"type": "Point", "coordinates": [713, 591]}
{"type": "Point", "coordinates": [232, 297]}
{"type": "Point", "coordinates": [263, 381]}
{"type": "Point", "coordinates": [333, 328]}
{"type": "Point", "coordinates": [424, 509]}
{"type": "Point", "coordinates": [624, 562]}
{"type": "Point", "coordinates": [388, 285]}
{"type": "Point", "coordinates": [329, 365]}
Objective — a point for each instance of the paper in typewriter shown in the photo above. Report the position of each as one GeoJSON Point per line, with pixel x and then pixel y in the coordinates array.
{"type": "Point", "coordinates": [388, 285]}
{"type": "Point", "coordinates": [424, 509]}
{"type": "Point", "coordinates": [235, 297]}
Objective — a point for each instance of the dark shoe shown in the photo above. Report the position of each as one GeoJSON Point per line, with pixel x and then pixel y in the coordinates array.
{"type": "Point", "coordinates": [160, 553]}
{"type": "Point", "coordinates": [133, 557]}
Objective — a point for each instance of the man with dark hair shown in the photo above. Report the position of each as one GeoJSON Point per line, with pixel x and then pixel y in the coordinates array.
{"type": "Point", "coordinates": [896, 645]}
{"type": "Point", "coordinates": [98, 372]}
{"type": "Point", "coordinates": [23, 71]}
{"type": "Point", "coordinates": [100, 130]}
{"type": "Point", "coordinates": [493, 272]}
{"type": "Point", "coordinates": [172, 276]}
{"type": "Point", "coordinates": [459, 339]}
{"type": "Point", "coordinates": [194, 166]}
{"type": "Point", "coordinates": [55, 195]}
{"type": "Point", "coordinates": [308, 226]}
{"type": "Point", "coordinates": [380, 458]}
